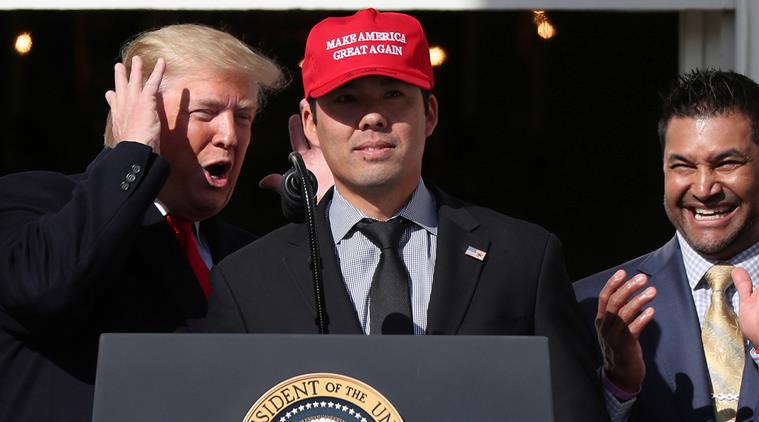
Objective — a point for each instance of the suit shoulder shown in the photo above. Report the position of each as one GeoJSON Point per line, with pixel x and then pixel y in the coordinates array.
{"type": "Point", "coordinates": [235, 232]}
{"type": "Point", "coordinates": [232, 237]}
{"type": "Point", "coordinates": [44, 189]}
{"type": "Point", "coordinates": [524, 227]}
{"type": "Point", "coordinates": [265, 248]}
{"type": "Point", "coordinates": [492, 220]}
{"type": "Point", "coordinates": [21, 181]}
{"type": "Point", "coordinates": [592, 284]}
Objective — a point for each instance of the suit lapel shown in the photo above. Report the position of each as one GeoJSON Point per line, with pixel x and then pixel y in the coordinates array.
{"type": "Point", "coordinates": [223, 238]}
{"type": "Point", "coordinates": [456, 273]}
{"type": "Point", "coordinates": [675, 340]}
{"type": "Point", "coordinates": [219, 243]}
{"type": "Point", "coordinates": [341, 313]}
{"type": "Point", "coordinates": [159, 250]}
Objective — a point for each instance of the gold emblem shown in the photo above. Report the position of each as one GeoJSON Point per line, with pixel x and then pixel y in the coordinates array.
{"type": "Point", "coordinates": [322, 397]}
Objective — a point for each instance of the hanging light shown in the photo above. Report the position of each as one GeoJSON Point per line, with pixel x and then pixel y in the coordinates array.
{"type": "Point", "coordinates": [23, 43]}
{"type": "Point", "coordinates": [545, 28]}
{"type": "Point", "coordinates": [437, 55]}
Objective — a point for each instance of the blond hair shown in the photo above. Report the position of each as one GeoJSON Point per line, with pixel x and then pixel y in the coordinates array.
{"type": "Point", "coordinates": [191, 48]}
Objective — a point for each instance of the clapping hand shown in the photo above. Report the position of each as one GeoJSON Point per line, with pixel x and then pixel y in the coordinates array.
{"type": "Point", "coordinates": [749, 305]}
{"type": "Point", "coordinates": [620, 320]}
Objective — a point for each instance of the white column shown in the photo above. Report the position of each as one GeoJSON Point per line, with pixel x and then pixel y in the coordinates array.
{"type": "Point", "coordinates": [747, 38]}
{"type": "Point", "coordinates": [707, 39]}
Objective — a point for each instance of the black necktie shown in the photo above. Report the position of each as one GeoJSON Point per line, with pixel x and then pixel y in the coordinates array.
{"type": "Point", "coordinates": [389, 298]}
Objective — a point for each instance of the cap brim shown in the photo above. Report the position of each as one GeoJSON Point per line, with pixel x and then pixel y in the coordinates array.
{"type": "Point", "coordinates": [327, 87]}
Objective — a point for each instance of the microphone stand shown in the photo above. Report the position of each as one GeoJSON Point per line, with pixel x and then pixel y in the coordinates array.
{"type": "Point", "coordinates": [294, 191]}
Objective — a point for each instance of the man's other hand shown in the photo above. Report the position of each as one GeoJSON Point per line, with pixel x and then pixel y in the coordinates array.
{"type": "Point", "coordinates": [748, 304]}
{"type": "Point", "coordinates": [312, 157]}
{"type": "Point", "coordinates": [134, 106]}
{"type": "Point", "coordinates": [620, 320]}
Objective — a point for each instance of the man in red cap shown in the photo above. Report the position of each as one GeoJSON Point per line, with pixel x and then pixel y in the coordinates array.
{"type": "Point", "coordinates": [399, 256]}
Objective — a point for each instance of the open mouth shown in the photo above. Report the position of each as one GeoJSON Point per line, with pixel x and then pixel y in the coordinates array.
{"type": "Point", "coordinates": [703, 214]}
{"type": "Point", "coordinates": [217, 173]}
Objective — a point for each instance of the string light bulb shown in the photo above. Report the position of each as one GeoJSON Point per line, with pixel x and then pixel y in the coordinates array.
{"type": "Point", "coordinates": [23, 43]}
{"type": "Point", "coordinates": [545, 28]}
{"type": "Point", "coordinates": [437, 56]}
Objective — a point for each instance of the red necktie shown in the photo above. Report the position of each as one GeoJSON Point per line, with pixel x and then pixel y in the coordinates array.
{"type": "Point", "coordinates": [183, 231]}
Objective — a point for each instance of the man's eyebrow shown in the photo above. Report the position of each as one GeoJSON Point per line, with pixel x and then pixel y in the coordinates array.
{"type": "Point", "coordinates": [730, 153]}
{"type": "Point", "coordinates": [248, 105]}
{"type": "Point", "coordinates": [348, 85]}
{"type": "Point", "coordinates": [677, 157]}
{"type": "Point", "coordinates": [206, 102]}
{"type": "Point", "coordinates": [386, 80]}
{"type": "Point", "coordinates": [243, 105]}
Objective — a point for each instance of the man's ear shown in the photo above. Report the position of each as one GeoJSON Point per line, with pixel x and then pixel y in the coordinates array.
{"type": "Point", "coordinates": [309, 123]}
{"type": "Point", "coordinates": [431, 117]}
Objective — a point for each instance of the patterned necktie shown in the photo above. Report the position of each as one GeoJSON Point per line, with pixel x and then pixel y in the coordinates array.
{"type": "Point", "coordinates": [182, 228]}
{"type": "Point", "coordinates": [723, 345]}
{"type": "Point", "coordinates": [389, 298]}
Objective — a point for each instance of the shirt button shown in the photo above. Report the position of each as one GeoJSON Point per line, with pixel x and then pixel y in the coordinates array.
{"type": "Point", "coordinates": [130, 177]}
{"type": "Point", "coordinates": [124, 185]}
{"type": "Point", "coordinates": [136, 168]}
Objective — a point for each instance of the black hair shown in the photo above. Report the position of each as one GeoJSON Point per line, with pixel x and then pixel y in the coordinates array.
{"type": "Point", "coordinates": [708, 93]}
{"type": "Point", "coordinates": [425, 100]}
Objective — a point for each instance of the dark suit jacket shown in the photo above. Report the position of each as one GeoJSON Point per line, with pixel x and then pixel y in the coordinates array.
{"type": "Point", "coordinates": [80, 256]}
{"type": "Point", "coordinates": [676, 386]}
{"type": "Point", "coordinates": [521, 288]}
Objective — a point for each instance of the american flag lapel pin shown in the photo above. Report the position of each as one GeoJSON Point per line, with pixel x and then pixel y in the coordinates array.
{"type": "Point", "coordinates": [475, 253]}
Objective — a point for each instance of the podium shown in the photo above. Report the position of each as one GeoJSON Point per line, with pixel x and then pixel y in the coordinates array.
{"type": "Point", "coordinates": [219, 377]}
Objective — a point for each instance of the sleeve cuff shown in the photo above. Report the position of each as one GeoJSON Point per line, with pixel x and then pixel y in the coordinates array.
{"type": "Point", "coordinates": [619, 393]}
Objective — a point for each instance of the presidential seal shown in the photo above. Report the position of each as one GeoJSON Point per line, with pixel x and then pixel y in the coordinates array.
{"type": "Point", "coordinates": [322, 397]}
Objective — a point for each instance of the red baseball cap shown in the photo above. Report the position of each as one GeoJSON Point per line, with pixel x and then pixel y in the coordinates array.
{"type": "Point", "coordinates": [369, 42]}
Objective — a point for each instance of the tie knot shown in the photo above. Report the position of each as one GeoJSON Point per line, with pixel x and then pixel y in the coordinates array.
{"type": "Point", "coordinates": [384, 234]}
{"type": "Point", "coordinates": [718, 277]}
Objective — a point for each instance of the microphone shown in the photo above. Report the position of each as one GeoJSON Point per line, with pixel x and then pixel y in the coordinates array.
{"type": "Point", "coordinates": [292, 189]}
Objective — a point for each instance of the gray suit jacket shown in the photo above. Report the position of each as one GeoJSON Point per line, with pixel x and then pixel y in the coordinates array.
{"type": "Point", "coordinates": [677, 386]}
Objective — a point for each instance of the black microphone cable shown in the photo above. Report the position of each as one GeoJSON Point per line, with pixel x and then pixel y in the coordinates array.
{"type": "Point", "coordinates": [299, 206]}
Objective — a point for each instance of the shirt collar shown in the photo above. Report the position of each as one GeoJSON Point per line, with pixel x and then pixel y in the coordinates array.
{"type": "Point", "coordinates": [696, 265]}
{"type": "Point", "coordinates": [420, 209]}
{"type": "Point", "coordinates": [164, 210]}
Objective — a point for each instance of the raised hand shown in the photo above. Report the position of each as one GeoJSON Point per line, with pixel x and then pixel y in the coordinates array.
{"type": "Point", "coordinates": [620, 320]}
{"type": "Point", "coordinates": [134, 106]}
{"type": "Point", "coordinates": [748, 305]}
{"type": "Point", "coordinates": [312, 157]}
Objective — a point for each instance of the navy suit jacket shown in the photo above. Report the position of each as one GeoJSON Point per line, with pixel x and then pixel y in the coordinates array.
{"type": "Point", "coordinates": [676, 386]}
{"type": "Point", "coordinates": [520, 288]}
{"type": "Point", "coordinates": [80, 256]}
